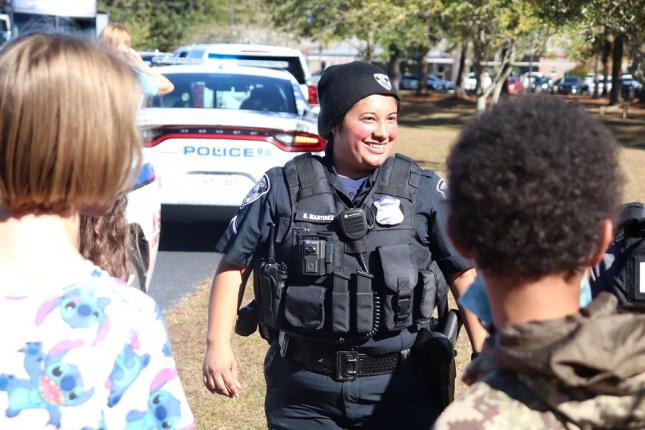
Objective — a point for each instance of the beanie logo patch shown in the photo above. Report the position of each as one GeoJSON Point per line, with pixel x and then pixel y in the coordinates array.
{"type": "Point", "coordinates": [383, 80]}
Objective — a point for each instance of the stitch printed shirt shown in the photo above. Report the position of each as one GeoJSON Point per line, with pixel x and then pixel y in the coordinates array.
{"type": "Point", "coordinates": [91, 353]}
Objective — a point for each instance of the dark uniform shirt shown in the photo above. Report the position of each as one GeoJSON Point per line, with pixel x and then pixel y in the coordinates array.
{"type": "Point", "coordinates": [248, 231]}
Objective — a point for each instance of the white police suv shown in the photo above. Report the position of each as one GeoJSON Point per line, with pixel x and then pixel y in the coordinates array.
{"type": "Point", "coordinates": [216, 134]}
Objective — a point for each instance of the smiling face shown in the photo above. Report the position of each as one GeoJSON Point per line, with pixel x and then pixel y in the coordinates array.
{"type": "Point", "coordinates": [366, 137]}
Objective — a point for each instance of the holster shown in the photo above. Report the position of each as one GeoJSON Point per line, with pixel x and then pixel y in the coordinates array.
{"type": "Point", "coordinates": [435, 349]}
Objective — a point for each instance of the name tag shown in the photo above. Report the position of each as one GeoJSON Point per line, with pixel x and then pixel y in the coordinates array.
{"type": "Point", "coordinates": [314, 217]}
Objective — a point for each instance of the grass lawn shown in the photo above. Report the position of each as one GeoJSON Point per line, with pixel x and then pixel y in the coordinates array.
{"type": "Point", "coordinates": [428, 128]}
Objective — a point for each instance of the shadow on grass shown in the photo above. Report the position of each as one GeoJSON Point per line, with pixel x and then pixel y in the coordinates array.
{"type": "Point", "coordinates": [435, 111]}
{"type": "Point", "coordinates": [629, 133]}
{"type": "Point", "coordinates": [448, 112]}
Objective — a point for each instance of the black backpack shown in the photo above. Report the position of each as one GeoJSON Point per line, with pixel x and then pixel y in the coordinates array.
{"type": "Point", "coordinates": [622, 270]}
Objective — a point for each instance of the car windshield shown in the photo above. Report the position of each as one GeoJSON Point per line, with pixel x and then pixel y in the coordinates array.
{"type": "Point", "coordinates": [570, 80]}
{"type": "Point", "coordinates": [228, 91]}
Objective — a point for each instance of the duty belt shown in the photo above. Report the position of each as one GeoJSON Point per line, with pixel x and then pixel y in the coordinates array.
{"type": "Point", "coordinates": [344, 365]}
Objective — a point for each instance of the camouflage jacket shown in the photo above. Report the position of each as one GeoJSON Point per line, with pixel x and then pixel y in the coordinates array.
{"type": "Point", "coordinates": [585, 371]}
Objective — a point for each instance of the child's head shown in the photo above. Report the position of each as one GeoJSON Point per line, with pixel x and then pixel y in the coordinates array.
{"type": "Point", "coordinates": [531, 183]}
{"type": "Point", "coordinates": [68, 137]}
{"type": "Point", "coordinates": [117, 37]}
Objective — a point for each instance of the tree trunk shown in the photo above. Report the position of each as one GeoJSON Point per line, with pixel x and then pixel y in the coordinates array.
{"type": "Point", "coordinates": [393, 66]}
{"type": "Point", "coordinates": [460, 92]}
{"type": "Point", "coordinates": [422, 64]}
{"type": "Point", "coordinates": [478, 57]}
{"type": "Point", "coordinates": [595, 76]}
{"type": "Point", "coordinates": [505, 69]}
{"type": "Point", "coordinates": [368, 51]}
{"type": "Point", "coordinates": [616, 66]}
{"type": "Point", "coordinates": [422, 71]}
{"type": "Point", "coordinates": [606, 50]}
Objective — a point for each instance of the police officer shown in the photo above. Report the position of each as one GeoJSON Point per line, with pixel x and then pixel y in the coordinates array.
{"type": "Point", "coordinates": [349, 253]}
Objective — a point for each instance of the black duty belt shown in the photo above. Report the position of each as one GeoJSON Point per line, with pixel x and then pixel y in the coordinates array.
{"type": "Point", "coordinates": [344, 365]}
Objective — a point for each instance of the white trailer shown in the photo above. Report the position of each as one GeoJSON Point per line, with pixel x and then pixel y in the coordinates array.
{"type": "Point", "coordinates": [65, 16]}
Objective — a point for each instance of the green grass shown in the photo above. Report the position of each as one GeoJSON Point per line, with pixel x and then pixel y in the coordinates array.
{"type": "Point", "coordinates": [428, 128]}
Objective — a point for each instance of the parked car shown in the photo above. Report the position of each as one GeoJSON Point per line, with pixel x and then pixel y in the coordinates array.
{"type": "Point", "coordinates": [276, 57]}
{"type": "Point", "coordinates": [589, 83]}
{"type": "Point", "coordinates": [143, 213]}
{"type": "Point", "coordinates": [513, 85]}
{"type": "Point", "coordinates": [570, 85]}
{"type": "Point", "coordinates": [529, 79]}
{"type": "Point", "coordinates": [542, 84]}
{"type": "Point", "coordinates": [221, 128]}
{"type": "Point", "coordinates": [470, 83]}
{"type": "Point", "coordinates": [630, 87]}
{"type": "Point", "coordinates": [435, 83]}
{"type": "Point", "coordinates": [410, 81]}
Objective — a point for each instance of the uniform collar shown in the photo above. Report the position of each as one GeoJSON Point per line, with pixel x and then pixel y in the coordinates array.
{"type": "Point", "coordinates": [332, 175]}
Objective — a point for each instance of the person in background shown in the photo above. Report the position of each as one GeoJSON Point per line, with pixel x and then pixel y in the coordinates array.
{"type": "Point", "coordinates": [535, 183]}
{"type": "Point", "coordinates": [78, 350]}
{"type": "Point", "coordinates": [117, 37]}
{"type": "Point", "coordinates": [105, 239]}
{"type": "Point", "coordinates": [361, 257]}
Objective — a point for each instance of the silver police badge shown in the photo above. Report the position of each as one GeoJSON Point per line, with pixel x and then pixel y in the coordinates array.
{"type": "Point", "coordinates": [260, 188]}
{"type": "Point", "coordinates": [383, 80]}
{"type": "Point", "coordinates": [388, 211]}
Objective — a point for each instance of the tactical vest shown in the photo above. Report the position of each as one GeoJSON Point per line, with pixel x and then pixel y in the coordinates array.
{"type": "Point", "coordinates": [622, 270]}
{"type": "Point", "coordinates": [336, 286]}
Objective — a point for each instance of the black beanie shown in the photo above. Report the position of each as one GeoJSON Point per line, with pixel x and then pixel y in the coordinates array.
{"type": "Point", "coordinates": [342, 86]}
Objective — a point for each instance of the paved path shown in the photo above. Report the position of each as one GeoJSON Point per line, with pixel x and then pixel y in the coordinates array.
{"type": "Point", "coordinates": [185, 260]}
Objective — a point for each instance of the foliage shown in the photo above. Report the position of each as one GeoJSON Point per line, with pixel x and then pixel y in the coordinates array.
{"type": "Point", "coordinates": [497, 29]}
{"type": "Point", "coordinates": [164, 24]}
{"type": "Point", "coordinates": [622, 21]}
{"type": "Point", "coordinates": [397, 24]}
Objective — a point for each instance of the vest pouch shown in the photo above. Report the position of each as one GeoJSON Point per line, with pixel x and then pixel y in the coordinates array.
{"type": "Point", "coordinates": [400, 277]}
{"type": "Point", "coordinates": [304, 306]}
{"type": "Point", "coordinates": [364, 303]}
{"type": "Point", "coordinates": [340, 303]}
{"type": "Point", "coordinates": [432, 287]}
{"type": "Point", "coordinates": [635, 282]}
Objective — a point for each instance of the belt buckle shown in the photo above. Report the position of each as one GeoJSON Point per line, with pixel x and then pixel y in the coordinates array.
{"type": "Point", "coordinates": [346, 366]}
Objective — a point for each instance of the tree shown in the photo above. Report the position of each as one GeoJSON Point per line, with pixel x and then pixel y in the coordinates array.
{"type": "Point", "coordinates": [497, 29]}
{"type": "Point", "coordinates": [163, 24]}
{"type": "Point", "coordinates": [401, 25]}
{"type": "Point", "coordinates": [623, 20]}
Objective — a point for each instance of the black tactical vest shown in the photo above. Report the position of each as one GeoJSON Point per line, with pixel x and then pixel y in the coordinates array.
{"type": "Point", "coordinates": [332, 279]}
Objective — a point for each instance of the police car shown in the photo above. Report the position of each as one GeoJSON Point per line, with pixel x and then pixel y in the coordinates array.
{"type": "Point", "coordinates": [221, 128]}
{"type": "Point", "coordinates": [143, 213]}
{"type": "Point", "coordinates": [290, 59]}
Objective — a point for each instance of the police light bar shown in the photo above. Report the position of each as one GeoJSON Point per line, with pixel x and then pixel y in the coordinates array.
{"type": "Point", "coordinates": [247, 62]}
{"type": "Point", "coordinates": [289, 141]}
{"type": "Point", "coordinates": [167, 60]}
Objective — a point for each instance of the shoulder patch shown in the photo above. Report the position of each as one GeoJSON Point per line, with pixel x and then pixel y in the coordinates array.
{"type": "Point", "coordinates": [442, 187]}
{"type": "Point", "coordinates": [260, 188]}
{"type": "Point", "coordinates": [232, 225]}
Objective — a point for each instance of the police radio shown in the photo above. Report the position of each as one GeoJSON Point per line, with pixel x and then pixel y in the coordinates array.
{"type": "Point", "coordinates": [353, 223]}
